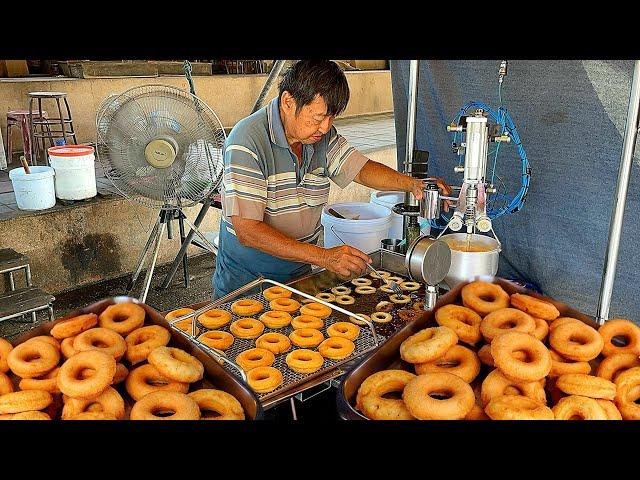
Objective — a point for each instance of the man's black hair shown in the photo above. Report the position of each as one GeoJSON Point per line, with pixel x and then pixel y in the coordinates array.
{"type": "Point", "coordinates": [307, 78]}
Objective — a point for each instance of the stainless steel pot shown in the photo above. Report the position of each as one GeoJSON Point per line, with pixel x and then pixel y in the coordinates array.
{"type": "Point", "coordinates": [465, 265]}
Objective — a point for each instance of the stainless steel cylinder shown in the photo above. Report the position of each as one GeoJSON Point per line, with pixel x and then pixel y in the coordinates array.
{"type": "Point", "coordinates": [428, 260]}
{"type": "Point", "coordinates": [430, 202]}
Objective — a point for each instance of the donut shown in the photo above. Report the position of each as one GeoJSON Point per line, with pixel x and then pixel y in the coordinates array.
{"type": "Point", "coordinates": [360, 322]}
{"type": "Point", "coordinates": [517, 407]}
{"type": "Point", "coordinates": [255, 357]}
{"type": "Point", "coordinates": [186, 325]}
{"type": "Point", "coordinates": [561, 321]}
{"type": "Point", "coordinates": [615, 364]}
{"type": "Point", "coordinates": [304, 361]}
{"type": "Point", "coordinates": [143, 340]}
{"type": "Point", "coordinates": [285, 305]}
{"type": "Point", "coordinates": [586, 386]}
{"type": "Point", "coordinates": [427, 345]}
{"type": "Point", "coordinates": [458, 360]}
{"type": "Point", "coordinates": [380, 273]}
{"type": "Point", "coordinates": [101, 339]}
{"type": "Point", "coordinates": [462, 320]}
{"type": "Point", "coordinates": [535, 367]}
{"type": "Point", "coordinates": [123, 318]}
{"type": "Point", "coordinates": [386, 289]}
{"type": "Point", "coordinates": [146, 379]}
{"type": "Point", "coordinates": [6, 385]}
{"type": "Point", "coordinates": [542, 329]}
{"type": "Point", "coordinates": [454, 399]}
{"type": "Point", "coordinates": [400, 299]}
{"type": "Point", "coordinates": [484, 354]}
{"type": "Point", "coordinates": [410, 286]}
{"type": "Point", "coordinates": [361, 282]}
{"type": "Point", "coordinates": [216, 339]}
{"type": "Point", "coordinates": [496, 384]}
{"type": "Point", "coordinates": [92, 416]}
{"type": "Point", "coordinates": [385, 306]}
{"type": "Point", "coordinates": [24, 401]}
{"type": "Point", "coordinates": [534, 306]}
{"type": "Point", "coordinates": [484, 297]}
{"type": "Point", "coordinates": [476, 413]}
{"type": "Point", "coordinates": [247, 328]}
{"type": "Point", "coordinates": [274, 342]}
{"type": "Point", "coordinates": [31, 415]}
{"type": "Point", "coordinates": [306, 337]}
{"type": "Point", "coordinates": [327, 297]}
{"type": "Point", "coordinates": [110, 403]}
{"type": "Point", "coordinates": [345, 300]}
{"type": "Point", "coordinates": [275, 318]}
{"type": "Point", "coordinates": [69, 377]}
{"type": "Point", "coordinates": [395, 279]}
{"type": "Point", "coordinates": [336, 348]}
{"type": "Point", "coordinates": [340, 290]}
{"type": "Point", "coordinates": [419, 306]}
{"type": "Point", "coordinates": [409, 315]}
{"type": "Point", "coordinates": [214, 318]}
{"type": "Point", "coordinates": [176, 364]}
{"type": "Point", "coordinates": [272, 293]}
{"type": "Point", "coordinates": [46, 383]}
{"type": "Point", "coordinates": [71, 327]}
{"type": "Point", "coordinates": [561, 366]}
{"type": "Point", "coordinates": [180, 312]}
{"type": "Point", "coordinates": [610, 409]}
{"type": "Point", "coordinates": [5, 348]}
{"type": "Point", "coordinates": [66, 347]}
{"type": "Point", "coordinates": [576, 407]}
{"type": "Point", "coordinates": [165, 406]}
{"type": "Point", "coordinates": [365, 290]}
{"type": "Point", "coordinates": [620, 328]}
{"type": "Point", "coordinates": [506, 320]}
{"type": "Point", "coordinates": [247, 307]}
{"type": "Point", "coordinates": [224, 405]}
{"type": "Point", "coordinates": [381, 317]}
{"type": "Point", "coordinates": [121, 374]}
{"type": "Point", "coordinates": [46, 338]}
{"type": "Point", "coordinates": [344, 329]}
{"type": "Point", "coordinates": [316, 310]}
{"type": "Point", "coordinates": [33, 359]}
{"type": "Point", "coordinates": [307, 321]}
{"type": "Point", "coordinates": [627, 393]}
{"type": "Point", "coordinates": [371, 401]}
{"type": "Point", "coordinates": [576, 341]}
{"type": "Point", "coordinates": [264, 379]}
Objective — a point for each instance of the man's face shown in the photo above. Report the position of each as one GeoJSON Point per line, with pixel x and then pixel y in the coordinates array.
{"type": "Point", "coordinates": [310, 124]}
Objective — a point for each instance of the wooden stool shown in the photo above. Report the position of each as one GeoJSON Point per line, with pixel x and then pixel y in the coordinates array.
{"type": "Point", "coordinates": [50, 128]}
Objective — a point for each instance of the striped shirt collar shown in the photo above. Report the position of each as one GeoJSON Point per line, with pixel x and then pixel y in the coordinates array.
{"type": "Point", "coordinates": [276, 129]}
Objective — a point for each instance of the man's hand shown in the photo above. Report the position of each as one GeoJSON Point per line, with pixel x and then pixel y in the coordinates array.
{"type": "Point", "coordinates": [445, 189]}
{"type": "Point", "coordinates": [345, 261]}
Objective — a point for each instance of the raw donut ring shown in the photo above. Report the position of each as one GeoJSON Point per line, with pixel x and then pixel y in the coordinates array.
{"type": "Point", "coordinates": [264, 379]}
{"type": "Point", "coordinates": [381, 317]}
{"type": "Point", "coordinates": [66, 347]}
{"type": "Point", "coordinates": [101, 339]}
{"type": "Point", "coordinates": [386, 288]}
{"type": "Point", "coordinates": [336, 348]}
{"type": "Point", "coordinates": [427, 345]}
{"type": "Point", "coordinates": [272, 293]}
{"type": "Point", "coordinates": [496, 385]}
{"type": "Point", "coordinates": [285, 305]}
{"type": "Point", "coordinates": [535, 307]}
{"type": "Point", "coordinates": [146, 379]}
{"type": "Point", "coordinates": [248, 307]}
{"type": "Point", "coordinates": [610, 409]}
{"type": "Point", "coordinates": [274, 342]}
{"type": "Point", "coordinates": [225, 405]}
{"type": "Point", "coordinates": [400, 299]}
{"type": "Point", "coordinates": [217, 339]}
{"type": "Point", "coordinates": [143, 340]}
{"type": "Point", "coordinates": [506, 320]}
{"type": "Point", "coordinates": [458, 360]}
{"type": "Point", "coordinates": [46, 383]}
{"type": "Point", "coordinates": [255, 357]}
{"type": "Point", "coordinates": [69, 377]}
{"type": "Point", "coordinates": [123, 318]}
{"type": "Point", "coordinates": [214, 318]}
{"type": "Point", "coordinates": [366, 290]}
{"type": "Point", "coordinates": [176, 364]}
{"type": "Point", "coordinates": [33, 359]}
{"type": "Point", "coordinates": [620, 328]}
{"type": "Point", "coordinates": [576, 341]}
{"type": "Point", "coordinates": [275, 318]}
{"type": "Point", "coordinates": [517, 407]}
{"type": "Point", "coordinates": [5, 348]}
{"type": "Point", "coordinates": [561, 366]}
{"type": "Point", "coordinates": [410, 286]}
{"type": "Point", "coordinates": [307, 321]}
{"type": "Point", "coordinates": [165, 406]}
{"type": "Point", "coordinates": [345, 300]}
{"type": "Point", "coordinates": [628, 393]}
{"type": "Point", "coordinates": [306, 337]}
{"type": "Point", "coordinates": [73, 326]}
{"type": "Point", "coordinates": [6, 385]}
{"type": "Point", "coordinates": [484, 297]}
{"type": "Point", "coordinates": [584, 408]}
{"type": "Point", "coordinates": [247, 328]}
{"type": "Point", "coordinates": [458, 402]}
{"type": "Point", "coordinates": [327, 297]}
{"type": "Point", "coordinates": [110, 403]}
{"type": "Point", "coordinates": [537, 364]}
{"type": "Point", "coordinates": [316, 309]}
{"type": "Point", "coordinates": [615, 364]}
{"type": "Point", "coordinates": [462, 320]}
{"type": "Point", "coordinates": [24, 401]}
{"type": "Point", "coordinates": [361, 282]}
{"type": "Point", "coordinates": [586, 386]}
{"type": "Point", "coordinates": [370, 399]}
{"type": "Point", "coordinates": [381, 273]}
{"type": "Point", "coordinates": [360, 322]}
{"type": "Point", "coordinates": [344, 329]}
{"type": "Point", "coordinates": [542, 329]}
{"type": "Point", "coordinates": [178, 313]}
{"type": "Point", "coordinates": [304, 360]}
{"type": "Point", "coordinates": [385, 306]}
{"type": "Point", "coordinates": [340, 290]}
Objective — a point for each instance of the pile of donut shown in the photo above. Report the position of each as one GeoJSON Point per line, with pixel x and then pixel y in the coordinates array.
{"type": "Point", "coordinates": [107, 367]}
{"type": "Point", "coordinates": [540, 366]}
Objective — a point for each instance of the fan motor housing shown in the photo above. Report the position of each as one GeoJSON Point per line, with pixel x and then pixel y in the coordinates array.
{"type": "Point", "coordinates": [160, 153]}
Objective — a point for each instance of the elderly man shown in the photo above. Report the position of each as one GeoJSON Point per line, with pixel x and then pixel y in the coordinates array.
{"type": "Point", "coordinates": [277, 166]}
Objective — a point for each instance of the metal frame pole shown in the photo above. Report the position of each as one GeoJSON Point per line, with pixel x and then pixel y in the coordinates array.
{"type": "Point", "coordinates": [412, 105]}
{"type": "Point", "coordinates": [273, 74]}
{"type": "Point", "coordinates": [615, 227]}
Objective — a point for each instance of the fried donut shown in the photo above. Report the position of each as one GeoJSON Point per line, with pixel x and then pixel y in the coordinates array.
{"type": "Point", "coordinates": [340, 290]}
{"type": "Point", "coordinates": [101, 339]}
{"type": "Point", "coordinates": [185, 325]}
{"type": "Point", "coordinates": [316, 310]}
{"type": "Point", "coordinates": [476, 413]}
{"type": "Point", "coordinates": [365, 290]}
{"type": "Point", "coordinates": [247, 307]}
{"type": "Point", "coordinates": [386, 289]}
{"type": "Point", "coordinates": [69, 377]}
{"type": "Point", "coordinates": [458, 360]}
{"type": "Point", "coordinates": [275, 319]}
{"type": "Point", "coordinates": [285, 305]}
{"type": "Point", "coordinates": [506, 320]}
{"type": "Point", "coordinates": [428, 345]}
{"type": "Point", "coordinates": [255, 357]}
{"type": "Point", "coordinates": [561, 321]}
{"type": "Point", "coordinates": [586, 386]}
{"type": "Point", "coordinates": [408, 315]}
{"type": "Point", "coordinates": [165, 406]}
{"type": "Point", "coordinates": [385, 306]}
{"type": "Point", "coordinates": [304, 361]}
{"type": "Point", "coordinates": [272, 293]}
{"type": "Point", "coordinates": [210, 400]}
{"type": "Point", "coordinates": [380, 273]}
{"type": "Point", "coordinates": [534, 306]}
{"type": "Point", "coordinates": [307, 321]}
{"type": "Point", "coordinates": [6, 385]}
{"type": "Point", "coordinates": [92, 416]}
{"type": "Point", "coordinates": [418, 396]}
{"type": "Point", "coordinates": [542, 329]}
{"type": "Point", "coordinates": [496, 384]}
{"type": "Point", "coordinates": [561, 366]}
{"type": "Point", "coordinates": [327, 297]}
{"type": "Point", "coordinates": [123, 318]}
{"type": "Point", "coordinates": [146, 379]}
{"type": "Point", "coordinates": [264, 379]}
{"type": "Point", "coordinates": [336, 348]}
{"type": "Point", "coordinates": [33, 359]}
{"type": "Point", "coordinates": [576, 407]}
{"type": "Point", "coordinates": [31, 415]}
{"type": "Point", "coordinates": [214, 318]}
{"type": "Point", "coordinates": [46, 338]}
{"type": "Point", "coordinates": [400, 299]}
{"type": "Point", "coordinates": [121, 374]}
{"type": "Point", "coordinates": [5, 348]}
{"type": "Point", "coordinates": [274, 342]}
{"type": "Point", "coordinates": [484, 354]}
{"type": "Point", "coordinates": [306, 337]}
{"type": "Point", "coordinates": [371, 400]}
{"type": "Point", "coordinates": [410, 286]}
{"type": "Point", "coordinates": [109, 402]}
{"type": "Point", "coordinates": [462, 320]}
{"type": "Point", "coordinates": [47, 383]}
{"type": "Point", "coordinates": [66, 347]}
{"type": "Point", "coordinates": [621, 328]}
{"type": "Point", "coordinates": [143, 340]}
{"type": "Point", "coordinates": [381, 317]}
{"type": "Point", "coordinates": [216, 339]}
{"type": "Point", "coordinates": [344, 329]}
{"type": "Point", "coordinates": [247, 328]}
{"type": "Point", "coordinates": [615, 364]}
{"type": "Point", "coordinates": [537, 364]}
{"type": "Point", "coordinates": [360, 322]}
{"type": "Point", "coordinates": [517, 407]}
{"type": "Point", "coordinates": [361, 282]}
{"type": "Point", "coordinates": [71, 327]}
{"type": "Point", "coordinates": [345, 300]}
{"type": "Point", "coordinates": [24, 401]}
{"type": "Point", "coordinates": [576, 341]}
{"type": "Point", "coordinates": [628, 393]}
{"type": "Point", "coordinates": [610, 409]}
{"type": "Point", "coordinates": [180, 312]}
{"type": "Point", "coordinates": [484, 297]}
{"type": "Point", "coordinates": [176, 364]}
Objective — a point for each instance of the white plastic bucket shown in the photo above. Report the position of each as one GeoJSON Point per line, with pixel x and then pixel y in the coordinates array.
{"type": "Point", "coordinates": [35, 191]}
{"type": "Point", "coordinates": [75, 171]}
{"type": "Point", "coordinates": [365, 234]}
{"type": "Point", "coordinates": [389, 200]}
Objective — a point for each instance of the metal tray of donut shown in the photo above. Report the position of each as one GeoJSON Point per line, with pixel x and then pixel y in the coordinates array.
{"type": "Point", "coordinates": [388, 355]}
{"type": "Point", "coordinates": [215, 375]}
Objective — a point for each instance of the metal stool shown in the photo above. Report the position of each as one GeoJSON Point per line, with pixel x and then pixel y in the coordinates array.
{"type": "Point", "coordinates": [20, 118]}
{"type": "Point", "coordinates": [51, 128]}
